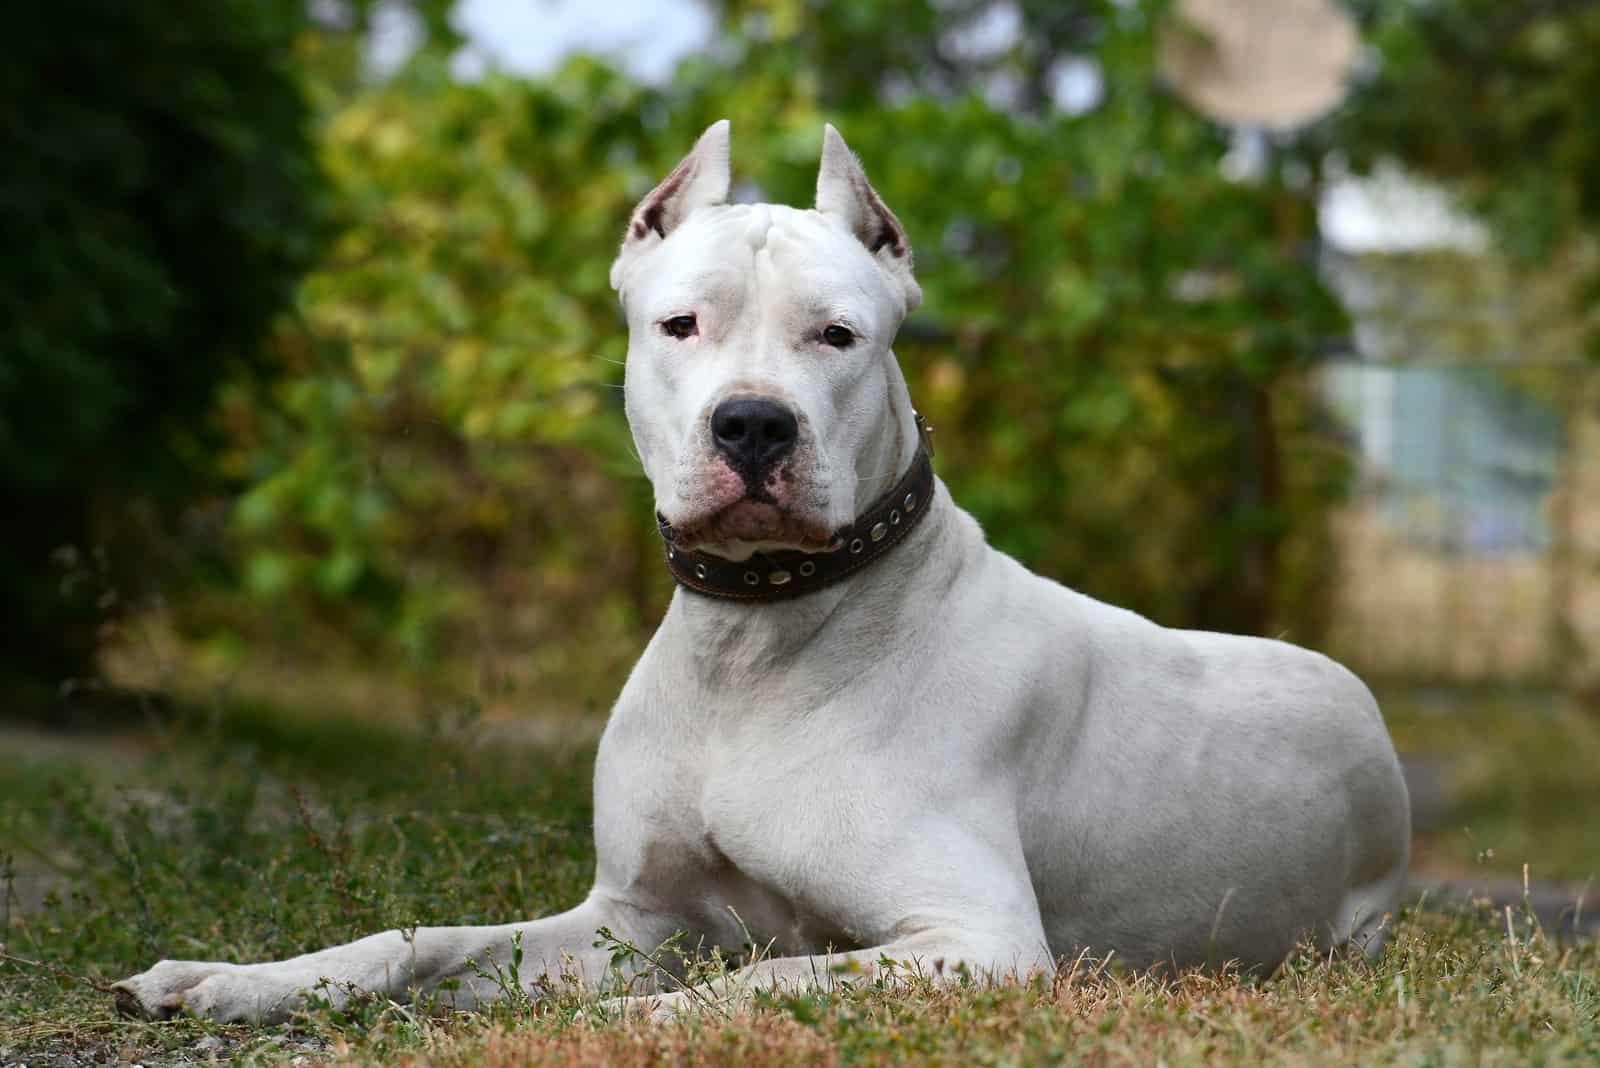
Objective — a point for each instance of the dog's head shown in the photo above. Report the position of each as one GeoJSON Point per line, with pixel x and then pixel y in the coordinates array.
{"type": "Point", "coordinates": [761, 390]}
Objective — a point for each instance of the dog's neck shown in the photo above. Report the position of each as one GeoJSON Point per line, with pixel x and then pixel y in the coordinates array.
{"type": "Point", "coordinates": [733, 645]}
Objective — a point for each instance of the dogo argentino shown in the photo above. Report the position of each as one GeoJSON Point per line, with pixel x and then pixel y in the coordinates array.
{"type": "Point", "coordinates": [862, 734]}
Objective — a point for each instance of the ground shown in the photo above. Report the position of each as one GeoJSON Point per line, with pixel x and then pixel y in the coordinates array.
{"type": "Point", "coordinates": [234, 830]}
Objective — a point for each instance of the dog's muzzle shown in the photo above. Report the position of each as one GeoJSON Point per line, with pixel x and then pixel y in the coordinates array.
{"type": "Point", "coordinates": [789, 573]}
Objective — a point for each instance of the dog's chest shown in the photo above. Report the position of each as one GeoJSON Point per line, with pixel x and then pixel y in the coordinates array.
{"type": "Point", "coordinates": [783, 819]}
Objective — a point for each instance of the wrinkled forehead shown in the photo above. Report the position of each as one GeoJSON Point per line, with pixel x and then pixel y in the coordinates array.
{"type": "Point", "coordinates": [768, 252]}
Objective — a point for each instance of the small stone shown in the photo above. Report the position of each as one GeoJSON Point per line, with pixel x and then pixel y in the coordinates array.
{"type": "Point", "coordinates": [209, 1044]}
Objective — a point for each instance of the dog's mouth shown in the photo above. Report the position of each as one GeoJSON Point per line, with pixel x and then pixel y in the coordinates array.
{"type": "Point", "coordinates": [753, 521]}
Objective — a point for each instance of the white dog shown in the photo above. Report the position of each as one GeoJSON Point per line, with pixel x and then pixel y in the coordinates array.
{"type": "Point", "coordinates": [861, 733]}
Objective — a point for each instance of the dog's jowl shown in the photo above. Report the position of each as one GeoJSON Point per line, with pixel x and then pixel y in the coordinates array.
{"type": "Point", "coordinates": [860, 733]}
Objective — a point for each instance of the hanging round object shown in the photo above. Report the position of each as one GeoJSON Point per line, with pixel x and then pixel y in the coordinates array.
{"type": "Point", "coordinates": [1271, 63]}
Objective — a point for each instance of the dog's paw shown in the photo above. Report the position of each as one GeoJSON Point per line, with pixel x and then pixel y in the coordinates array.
{"type": "Point", "coordinates": [227, 993]}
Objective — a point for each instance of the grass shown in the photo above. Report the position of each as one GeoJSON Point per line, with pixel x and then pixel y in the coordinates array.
{"type": "Point", "coordinates": [247, 832]}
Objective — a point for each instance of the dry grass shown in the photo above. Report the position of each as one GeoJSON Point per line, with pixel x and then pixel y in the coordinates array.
{"type": "Point", "coordinates": [1449, 991]}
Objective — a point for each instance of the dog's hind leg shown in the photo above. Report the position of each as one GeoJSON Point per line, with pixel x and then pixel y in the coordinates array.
{"type": "Point", "coordinates": [1366, 916]}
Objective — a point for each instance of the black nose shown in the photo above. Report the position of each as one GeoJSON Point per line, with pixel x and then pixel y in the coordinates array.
{"type": "Point", "coordinates": [753, 433]}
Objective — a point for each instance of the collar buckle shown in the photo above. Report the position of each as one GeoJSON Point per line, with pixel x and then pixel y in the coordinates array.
{"type": "Point", "coordinates": [924, 431]}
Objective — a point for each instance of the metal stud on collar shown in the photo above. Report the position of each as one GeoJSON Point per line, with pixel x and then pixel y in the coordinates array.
{"type": "Point", "coordinates": [779, 578]}
{"type": "Point", "coordinates": [878, 531]}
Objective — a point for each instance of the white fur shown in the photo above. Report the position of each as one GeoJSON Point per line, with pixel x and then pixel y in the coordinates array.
{"type": "Point", "coordinates": [944, 760]}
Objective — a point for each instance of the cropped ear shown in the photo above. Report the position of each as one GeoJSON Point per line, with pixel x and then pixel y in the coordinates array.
{"type": "Point", "coordinates": [700, 181]}
{"type": "Point", "coordinates": [844, 193]}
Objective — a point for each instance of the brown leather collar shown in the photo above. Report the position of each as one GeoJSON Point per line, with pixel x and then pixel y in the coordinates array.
{"type": "Point", "coordinates": [788, 573]}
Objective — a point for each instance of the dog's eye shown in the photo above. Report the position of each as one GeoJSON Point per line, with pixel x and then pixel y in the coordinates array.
{"type": "Point", "coordinates": [680, 327]}
{"type": "Point", "coordinates": [838, 336]}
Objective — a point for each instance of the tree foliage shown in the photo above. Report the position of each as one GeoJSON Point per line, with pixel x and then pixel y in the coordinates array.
{"type": "Point", "coordinates": [1112, 347]}
{"type": "Point", "coordinates": [1495, 101]}
{"type": "Point", "coordinates": [158, 197]}
{"type": "Point", "coordinates": [445, 460]}
{"type": "Point", "coordinates": [1494, 98]}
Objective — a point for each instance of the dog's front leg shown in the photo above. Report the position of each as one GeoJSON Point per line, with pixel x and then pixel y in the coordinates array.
{"type": "Point", "coordinates": [401, 964]}
{"type": "Point", "coordinates": [940, 955]}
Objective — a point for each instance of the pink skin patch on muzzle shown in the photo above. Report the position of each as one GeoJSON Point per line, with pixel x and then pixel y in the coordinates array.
{"type": "Point", "coordinates": [725, 511]}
